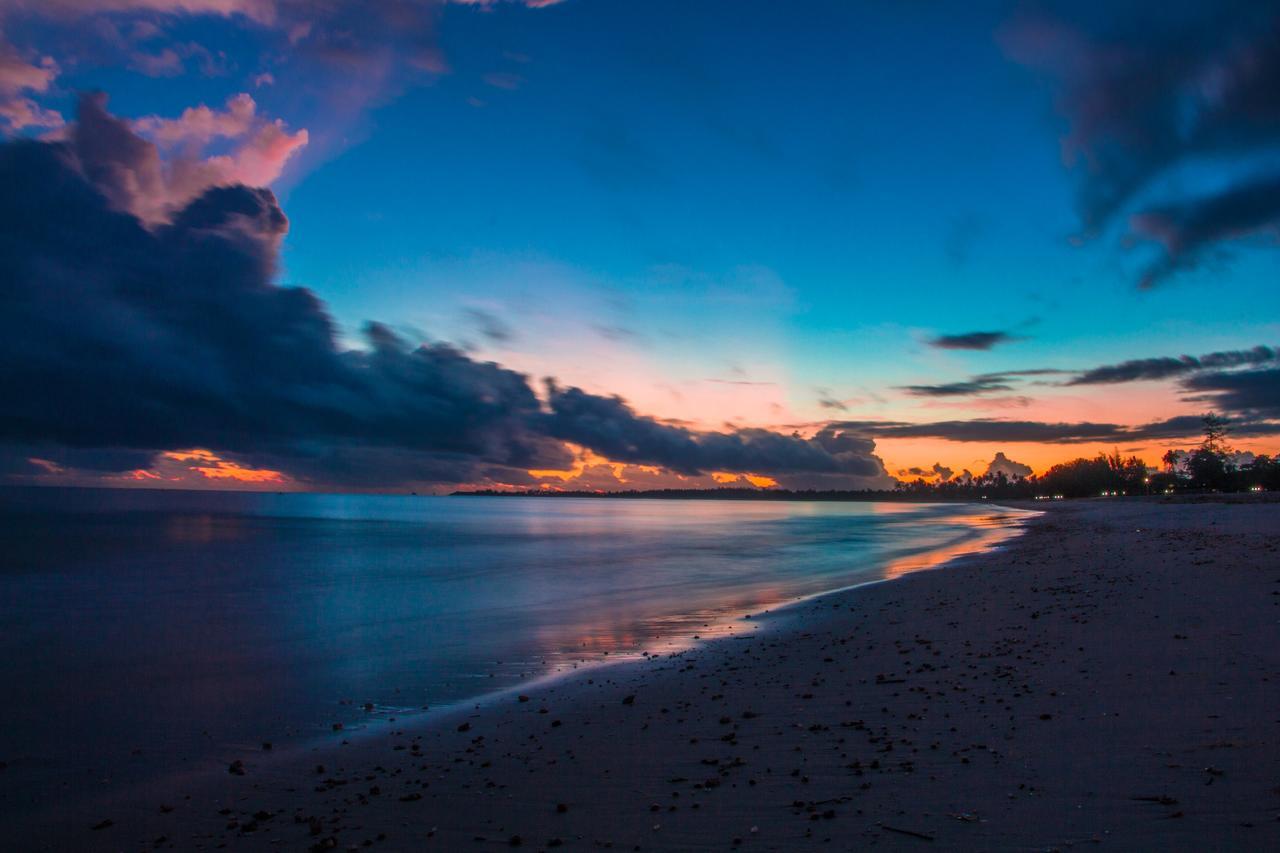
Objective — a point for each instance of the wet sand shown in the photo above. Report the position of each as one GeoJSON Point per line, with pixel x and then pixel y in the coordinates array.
{"type": "Point", "coordinates": [1112, 677]}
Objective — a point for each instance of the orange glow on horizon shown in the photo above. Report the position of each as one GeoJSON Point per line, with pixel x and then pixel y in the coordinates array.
{"type": "Point", "coordinates": [726, 478]}
{"type": "Point", "coordinates": [217, 468]}
{"type": "Point", "coordinates": [231, 471]}
{"type": "Point", "coordinates": [583, 459]}
{"type": "Point", "coordinates": [592, 472]}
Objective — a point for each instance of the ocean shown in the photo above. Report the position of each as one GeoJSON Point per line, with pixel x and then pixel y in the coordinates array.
{"type": "Point", "coordinates": [147, 633]}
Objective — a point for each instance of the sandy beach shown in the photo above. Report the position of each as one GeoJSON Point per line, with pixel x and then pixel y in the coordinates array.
{"type": "Point", "coordinates": [1111, 677]}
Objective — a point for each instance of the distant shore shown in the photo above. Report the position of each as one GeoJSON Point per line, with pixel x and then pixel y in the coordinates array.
{"type": "Point", "coordinates": [723, 494]}
{"type": "Point", "coordinates": [1109, 677]}
{"type": "Point", "coordinates": [1013, 495]}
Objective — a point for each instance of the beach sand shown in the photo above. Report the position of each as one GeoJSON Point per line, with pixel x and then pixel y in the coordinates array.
{"type": "Point", "coordinates": [1111, 677]}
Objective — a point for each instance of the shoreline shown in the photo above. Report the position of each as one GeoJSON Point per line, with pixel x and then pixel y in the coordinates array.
{"type": "Point", "coordinates": [873, 753]}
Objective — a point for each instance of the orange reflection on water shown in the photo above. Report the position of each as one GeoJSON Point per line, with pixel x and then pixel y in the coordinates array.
{"type": "Point", "coordinates": [614, 634]}
{"type": "Point", "coordinates": [991, 530]}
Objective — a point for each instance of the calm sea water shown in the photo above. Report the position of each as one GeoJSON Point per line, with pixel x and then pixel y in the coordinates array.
{"type": "Point", "coordinates": [150, 632]}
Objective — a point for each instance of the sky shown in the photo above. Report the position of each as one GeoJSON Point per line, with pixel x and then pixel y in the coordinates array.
{"type": "Point", "coordinates": [609, 244]}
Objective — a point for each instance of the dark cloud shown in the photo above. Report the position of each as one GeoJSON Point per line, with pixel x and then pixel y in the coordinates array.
{"type": "Point", "coordinates": [1186, 227]}
{"type": "Point", "coordinates": [977, 385]}
{"type": "Point", "coordinates": [612, 428]}
{"type": "Point", "coordinates": [1147, 94]}
{"type": "Point", "coordinates": [983, 383]}
{"type": "Point", "coordinates": [119, 339]}
{"type": "Point", "coordinates": [973, 340]}
{"type": "Point", "coordinates": [1134, 370]}
{"type": "Point", "coordinates": [1163, 368]}
{"type": "Point", "coordinates": [938, 470]}
{"type": "Point", "coordinates": [1248, 392]}
{"type": "Point", "coordinates": [115, 335]}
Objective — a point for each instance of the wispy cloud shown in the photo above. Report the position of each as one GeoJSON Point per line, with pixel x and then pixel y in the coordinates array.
{"type": "Point", "coordinates": [965, 388]}
{"type": "Point", "coordinates": [490, 325]}
{"type": "Point", "coordinates": [973, 340]}
{"type": "Point", "coordinates": [1143, 369]}
{"type": "Point", "coordinates": [21, 78]}
{"type": "Point", "coordinates": [1253, 393]}
{"type": "Point", "coordinates": [1079, 432]}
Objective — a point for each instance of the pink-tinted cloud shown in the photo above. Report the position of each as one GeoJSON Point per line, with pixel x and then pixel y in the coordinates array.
{"type": "Point", "coordinates": [258, 159]}
{"type": "Point", "coordinates": [166, 63]}
{"type": "Point", "coordinates": [152, 177]}
{"type": "Point", "coordinates": [18, 80]}
{"type": "Point", "coordinates": [200, 125]}
{"type": "Point", "coordinates": [19, 113]}
{"type": "Point", "coordinates": [342, 55]}
{"type": "Point", "coordinates": [262, 11]}
{"type": "Point", "coordinates": [172, 61]}
{"type": "Point", "coordinates": [531, 4]}
{"type": "Point", "coordinates": [19, 75]}
{"type": "Point", "coordinates": [503, 80]}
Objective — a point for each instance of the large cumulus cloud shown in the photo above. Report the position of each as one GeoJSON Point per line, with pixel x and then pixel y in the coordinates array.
{"type": "Point", "coordinates": [122, 336]}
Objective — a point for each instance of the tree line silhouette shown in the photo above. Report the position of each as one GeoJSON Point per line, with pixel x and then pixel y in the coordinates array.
{"type": "Point", "coordinates": [1211, 467]}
